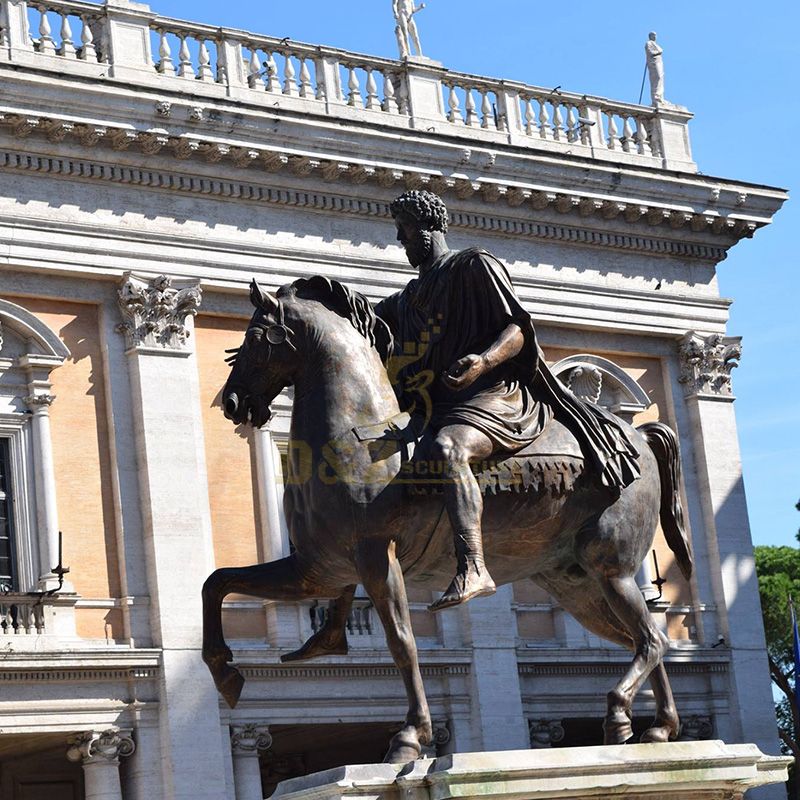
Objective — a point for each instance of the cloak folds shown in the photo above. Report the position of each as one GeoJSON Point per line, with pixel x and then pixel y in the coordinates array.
{"type": "Point", "coordinates": [460, 306]}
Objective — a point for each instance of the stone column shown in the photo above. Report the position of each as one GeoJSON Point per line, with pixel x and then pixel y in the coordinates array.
{"type": "Point", "coordinates": [39, 399]}
{"type": "Point", "coordinates": [706, 363]}
{"type": "Point", "coordinates": [274, 533]}
{"type": "Point", "coordinates": [99, 754]}
{"type": "Point", "coordinates": [166, 411]}
{"type": "Point", "coordinates": [247, 741]}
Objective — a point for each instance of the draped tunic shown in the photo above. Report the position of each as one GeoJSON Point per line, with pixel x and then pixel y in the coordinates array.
{"type": "Point", "coordinates": [459, 307]}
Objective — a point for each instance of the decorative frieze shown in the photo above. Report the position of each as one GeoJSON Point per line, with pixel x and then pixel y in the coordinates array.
{"type": "Point", "coordinates": [545, 733]}
{"type": "Point", "coordinates": [326, 200]}
{"type": "Point", "coordinates": [706, 363]}
{"type": "Point", "coordinates": [250, 738]}
{"type": "Point", "coordinates": [155, 311]}
{"type": "Point", "coordinates": [109, 745]}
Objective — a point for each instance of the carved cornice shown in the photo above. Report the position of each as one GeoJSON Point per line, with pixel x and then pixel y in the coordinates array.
{"type": "Point", "coordinates": [77, 675]}
{"type": "Point", "coordinates": [109, 745]}
{"type": "Point", "coordinates": [189, 143]}
{"type": "Point", "coordinates": [545, 732]}
{"type": "Point", "coordinates": [706, 363]}
{"type": "Point", "coordinates": [271, 672]}
{"type": "Point", "coordinates": [250, 739]}
{"type": "Point", "coordinates": [155, 311]}
{"type": "Point", "coordinates": [316, 199]}
{"type": "Point", "coordinates": [595, 669]}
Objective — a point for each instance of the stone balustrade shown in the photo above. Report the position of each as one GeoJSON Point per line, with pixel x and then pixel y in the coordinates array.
{"type": "Point", "coordinates": [359, 620]}
{"type": "Point", "coordinates": [21, 615]}
{"type": "Point", "coordinates": [127, 41]}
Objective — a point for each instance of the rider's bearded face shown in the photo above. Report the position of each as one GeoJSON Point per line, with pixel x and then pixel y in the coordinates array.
{"type": "Point", "coordinates": [417, 242]}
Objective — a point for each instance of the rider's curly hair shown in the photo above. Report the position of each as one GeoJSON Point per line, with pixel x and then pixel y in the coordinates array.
{"type": "Point", "coordinates": [426, 208]}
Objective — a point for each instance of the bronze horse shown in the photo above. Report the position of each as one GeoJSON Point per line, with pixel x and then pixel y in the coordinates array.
{"type": "Point", "coordinates": [352, 520]}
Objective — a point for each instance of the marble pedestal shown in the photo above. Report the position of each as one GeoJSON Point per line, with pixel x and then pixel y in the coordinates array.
{"type": "Point", "coordinates": [677, 771]}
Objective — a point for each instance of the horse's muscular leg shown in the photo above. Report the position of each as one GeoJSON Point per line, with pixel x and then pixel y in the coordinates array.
{"type": "Point", "coordinates": [666, 725]}
{"type": "Point", "coordinates": [276, 580]}
{"type": "Point", "coordinates": [382, 577]}
{"type": "Point", "coordinates": [626, 601]}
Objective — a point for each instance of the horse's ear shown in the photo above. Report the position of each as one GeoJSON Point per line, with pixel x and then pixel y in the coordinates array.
{"type": "Point", "coordinates": [262, 299]}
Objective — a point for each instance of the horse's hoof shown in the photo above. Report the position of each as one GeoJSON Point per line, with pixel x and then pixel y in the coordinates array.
{"type": "Point", "coordinates": [657, 734]}
{"type": "Point", "coordinates": [403, 748]}
{"type": "Point", "coordinates": [230, 685]}
{"type": "Point", "coordinates": [315, 648]}
{"type": "Point", "coordinates": [617, 728]}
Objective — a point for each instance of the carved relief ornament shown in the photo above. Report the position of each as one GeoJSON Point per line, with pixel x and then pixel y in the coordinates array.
{"type": "Point", "coordinates": [706, 363]}
{"type": "Point", "coordinates": [250, 738]}
{"type": "Point", "coordinates": [155, 311]}
{"type": "Point", "coordinates": [545, 732]}
{"type": "Point", "coordinates": [109, 745]}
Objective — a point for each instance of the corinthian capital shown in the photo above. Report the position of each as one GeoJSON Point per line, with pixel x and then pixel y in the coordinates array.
{"type": "Point", "coordinates": [109, 745]}
{"type": "Point", "coordinates": [706, 363]}
{"type": "Point", "coordinates": [155, 311]}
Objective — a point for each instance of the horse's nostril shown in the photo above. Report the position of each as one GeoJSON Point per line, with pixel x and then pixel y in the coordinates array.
{"type": "Point", "coordinates": [231, 405]}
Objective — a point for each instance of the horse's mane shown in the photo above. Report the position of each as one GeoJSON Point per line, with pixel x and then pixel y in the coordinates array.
{"type": "Point", "coordinates": [350, 305]}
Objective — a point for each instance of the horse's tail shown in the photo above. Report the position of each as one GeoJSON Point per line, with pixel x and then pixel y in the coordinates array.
{"type": "Point", "coordinates": [664, 444]}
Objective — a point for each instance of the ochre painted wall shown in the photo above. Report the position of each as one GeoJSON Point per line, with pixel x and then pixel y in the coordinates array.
{"type": "Point", "coordinates": [79, 431]}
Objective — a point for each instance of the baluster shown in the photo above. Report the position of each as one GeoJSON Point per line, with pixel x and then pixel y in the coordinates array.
{"type": "Point", "coordinates": [354, 99]}
{"type": "Point", "coordinates": [455, 107]}
{"type": "Point", "coordinates": [558, 121]}
{"type": "Point", "coordinates": [46, 43]}
{"type": "Point", "coordinates": [3, 25]}
{"type": "Point", "coordinates": [390, 105]}
{"type": "Point", "coordinates": [544, 121]}
{"type": "Point", "coordinates": [254, 69]}
{"type": "Point", "coordinates": [402, 96]}
{"type": "Point", "coordinates": [204, 71]}
{"type": "Point", "coordinates": [289, 77]}
{"type": "Point", "coordinates": [185, 66]}
{"type": "Point", "coordinates": [530, 117]}
{"type": "Point", "coordinates": [273, 84]}
{"type": "Point", "coordinates": [306, 89]}
{"type": "Point", "coordinates": [487, 112]}
{"type": "Point", "coordinates": [165, 65]}
{"type": "Point", "coordinates": [642, 139]}
{"type": "Point", "coordinates": [373, 101]}
{"type": "Point", "coordinates": [87, 51]}
{"type": "Point", "coordinates": [472, 118]}
{"type": "Point", "coordinates": [572, 125]}
{"type": "Point", "coordinates": [67, 46]}
{"type": "Point", "coordinates": [583, 129]}
{"type": "Point", "coordinates": [613, 133]}
{"type": "Point", "coordinates": [627, 135]}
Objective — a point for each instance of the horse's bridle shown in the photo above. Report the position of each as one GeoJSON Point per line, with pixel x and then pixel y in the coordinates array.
{"type": "Point", "coordinates": [276, 334]}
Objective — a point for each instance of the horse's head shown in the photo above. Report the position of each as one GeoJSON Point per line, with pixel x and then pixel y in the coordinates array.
{"type": "Point", "coordinates": [264, 364]}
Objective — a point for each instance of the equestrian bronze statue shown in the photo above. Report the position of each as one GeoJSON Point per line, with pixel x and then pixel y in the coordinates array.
{"type": "Point", "coordinates": [428, 436]}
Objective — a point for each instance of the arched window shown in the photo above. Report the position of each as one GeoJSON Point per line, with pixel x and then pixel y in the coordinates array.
{"type": "Point", "coordinates": [603, 382]}
{"type": "Point", "coordinates": [29, 351]}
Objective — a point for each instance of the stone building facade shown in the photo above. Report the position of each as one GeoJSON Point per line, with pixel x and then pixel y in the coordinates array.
{"type": "Point", "coordinates": [149, 168]}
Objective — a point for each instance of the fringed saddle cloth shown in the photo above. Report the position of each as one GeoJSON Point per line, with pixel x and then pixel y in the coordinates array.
{"type": "Point", "coordinates": [552, 464]}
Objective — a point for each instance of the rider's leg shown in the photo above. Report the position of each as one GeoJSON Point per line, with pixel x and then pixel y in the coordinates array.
{"type": "Point", "coordinates": [454, 447]}
{"type": "Point", "coordinates": [331, 638]}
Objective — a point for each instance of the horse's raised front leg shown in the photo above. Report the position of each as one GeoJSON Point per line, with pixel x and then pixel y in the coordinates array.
{"type": "Point", "coordinates": [627, 603]}
{"type": "Point", "coordinates": [382, 578]}
{"type": "Point", "coordinates": [276, 580]}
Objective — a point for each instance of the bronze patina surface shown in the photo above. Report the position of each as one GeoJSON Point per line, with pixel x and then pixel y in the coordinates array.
{"type": "Point", "coordinates": [452, 364]}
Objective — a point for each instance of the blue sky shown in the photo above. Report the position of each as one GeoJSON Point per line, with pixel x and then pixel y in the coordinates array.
{"type": "Point", "coordinates": [735, 65]}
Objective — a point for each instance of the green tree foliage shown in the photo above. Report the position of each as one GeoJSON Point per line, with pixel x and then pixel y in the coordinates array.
{"type": "Point", "coordinates": [778, 571]}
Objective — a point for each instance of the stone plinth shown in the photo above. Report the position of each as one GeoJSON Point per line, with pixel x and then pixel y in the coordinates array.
{"type": "Point", "coordinates": [691, 770]}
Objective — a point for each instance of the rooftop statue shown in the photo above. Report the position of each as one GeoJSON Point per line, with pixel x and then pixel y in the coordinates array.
{"type": "Point", "coordinates": [404, 415]}
{"type": "Point", "coordinates": [406, 29]}
{"type": "Point", "coordinates": [655, 68]}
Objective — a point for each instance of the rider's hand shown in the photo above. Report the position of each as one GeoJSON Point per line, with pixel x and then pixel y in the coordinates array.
{"type": "Point", "coordinates": [464, 372]}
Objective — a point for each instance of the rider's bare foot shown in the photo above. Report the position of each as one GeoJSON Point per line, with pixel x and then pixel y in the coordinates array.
{"type": "Point", "coordinates": [474, 581]}
{"type": "Point", "coordinates": [323, 643]}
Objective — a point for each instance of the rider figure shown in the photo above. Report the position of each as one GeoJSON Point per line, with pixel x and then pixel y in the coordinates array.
{"type": "Point", "coordinates": [468, 368]}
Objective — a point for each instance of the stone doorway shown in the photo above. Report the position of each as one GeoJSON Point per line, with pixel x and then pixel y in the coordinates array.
{"type": "Point", "coordinates": [303, 749]}
{"type": "Point", "coordinates": [35, 767]}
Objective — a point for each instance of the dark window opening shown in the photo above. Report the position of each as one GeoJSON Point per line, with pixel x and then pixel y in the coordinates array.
{"type": "Point", "coordinates": [8, 571]}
